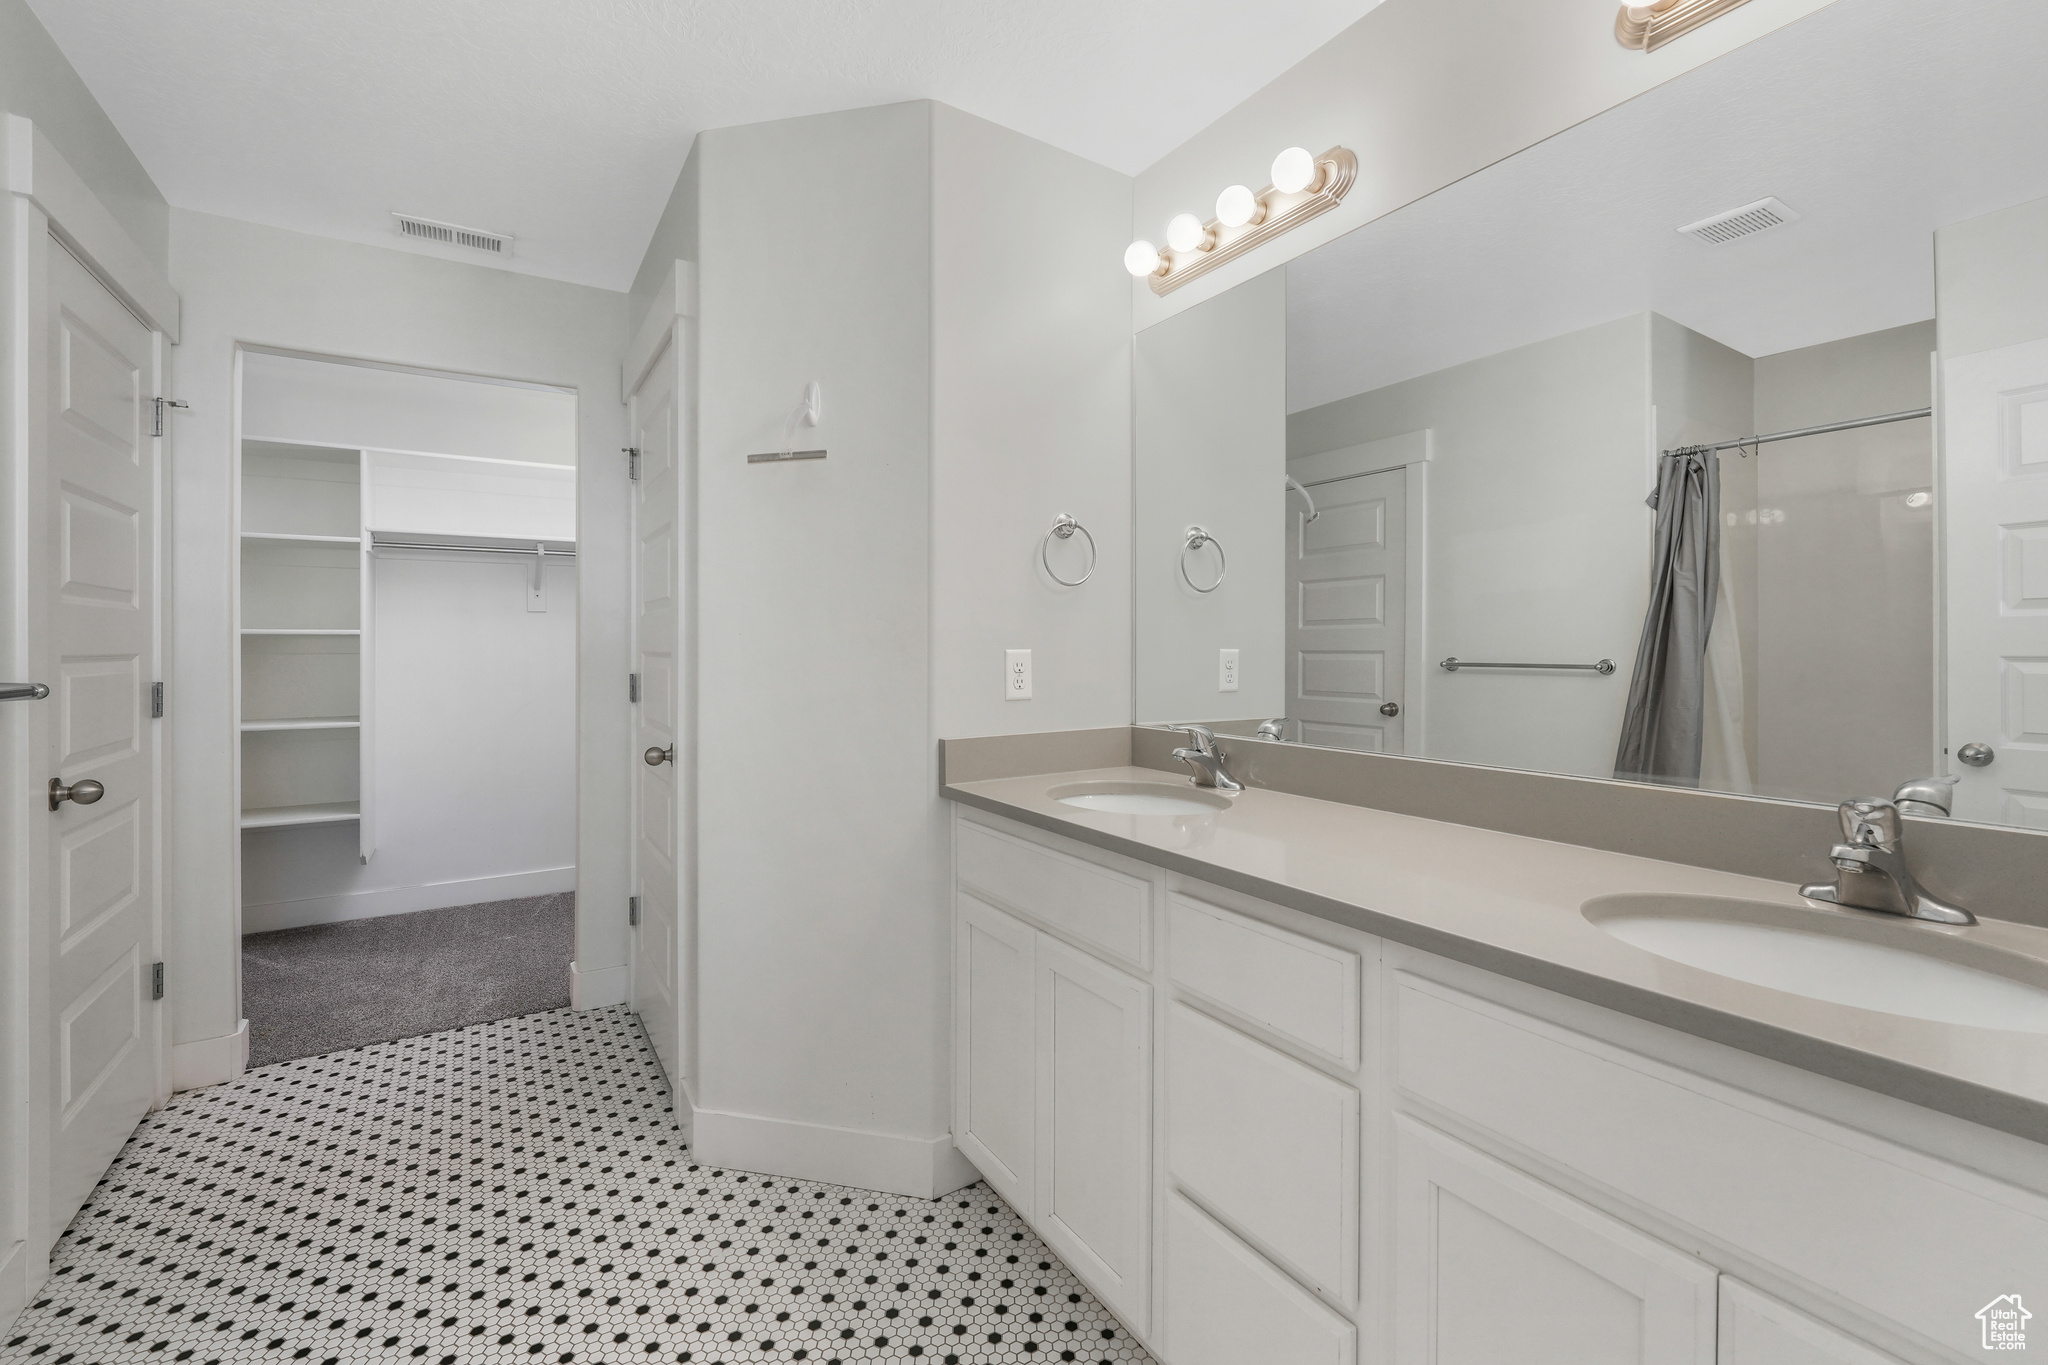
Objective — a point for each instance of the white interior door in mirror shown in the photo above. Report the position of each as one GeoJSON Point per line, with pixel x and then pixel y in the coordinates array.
{"type": "Point", "coordinates": [1493, 1265]}
{"type": "Point", "coordinates": [1347, 613]}
{"type": "Point", "coordinates": [1995, 406]}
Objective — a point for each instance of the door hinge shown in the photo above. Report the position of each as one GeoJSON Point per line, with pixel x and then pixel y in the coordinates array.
{"type": "Point", "coordinates": [633, 910]}
{"type": "Point", "coordinates": [632, 462]}
{"type": "Point", "coordinates": [157, 406]}
{"type": "Point", "coordinates": [156, 701]}
{"type": "Point", "coordinates": [156, 980]}
{"type": "Point", "coordinates": [632, 687]}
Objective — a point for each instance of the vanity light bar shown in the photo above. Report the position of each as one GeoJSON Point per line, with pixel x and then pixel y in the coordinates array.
{"type": "Point", "coordinates": [1303, 187]}
{"type": "Point", "coordinates": [1648, 27]}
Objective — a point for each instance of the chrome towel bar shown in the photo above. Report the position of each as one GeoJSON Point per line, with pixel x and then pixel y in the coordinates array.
{"type": "Point", "coordinates": [1603, 668]}
{"type": "Point", "coordinates": [1197, 538]}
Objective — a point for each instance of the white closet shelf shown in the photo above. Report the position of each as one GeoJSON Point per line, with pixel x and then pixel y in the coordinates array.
{"type": "Point", "coordinates": [298, 538]}
{"type": "Point", "coordinates": [318, 813]}
{"type": "Point", "coordinates": [269, 630]}
{"type": "Point", "coordinates": [305, 723]}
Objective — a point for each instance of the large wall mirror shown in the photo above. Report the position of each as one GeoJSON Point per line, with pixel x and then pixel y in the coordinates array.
{"type": "Point", "coordinates": [1704, 444]}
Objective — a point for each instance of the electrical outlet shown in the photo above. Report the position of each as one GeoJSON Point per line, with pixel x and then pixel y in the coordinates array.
{"type": "Point", "coordinates": [1226, 670]}
{"type": "Point", "coordinates": [1016, 675]}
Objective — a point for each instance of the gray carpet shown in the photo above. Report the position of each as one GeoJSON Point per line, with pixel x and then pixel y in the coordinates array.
{"type": "Point", "coordinates": [332, 986]}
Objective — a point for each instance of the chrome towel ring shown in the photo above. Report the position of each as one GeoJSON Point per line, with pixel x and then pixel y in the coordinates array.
{"type": "Point", "coordinates": [1064, 527]}
{"type": "Point", "coordinates": [1197, 538]}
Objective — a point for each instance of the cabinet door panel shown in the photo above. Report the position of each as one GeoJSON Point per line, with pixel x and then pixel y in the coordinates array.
{"type": "Point", "coordinates": [1094, 1124]}
{"type": "Point", "coordinates": [1757, 1329]}
{"type": "Point", "coordinates": [1225, 1305]}
{"type": "Point", "coordinates": [1083, 900]}
{"type": "Point", "coordinates": [1492, 1265]}
{"type": "Point", "coordinates": [1267, 1142]}
{"type": "Point", "coordinates": [994, 1045]}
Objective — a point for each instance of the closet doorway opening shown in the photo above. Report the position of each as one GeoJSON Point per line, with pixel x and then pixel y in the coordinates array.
{"type": "Point", "coordinates": [405, 710]}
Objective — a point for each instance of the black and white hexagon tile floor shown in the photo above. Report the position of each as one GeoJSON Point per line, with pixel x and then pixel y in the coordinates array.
{"type": "Point", "coordinates": [514, 1192]}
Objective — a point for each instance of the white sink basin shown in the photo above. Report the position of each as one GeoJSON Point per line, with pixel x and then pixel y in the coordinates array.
{"type": "Point", "coordinates": [1140, 798]}
{"type": "Point", "coordinates": [1895, 966]}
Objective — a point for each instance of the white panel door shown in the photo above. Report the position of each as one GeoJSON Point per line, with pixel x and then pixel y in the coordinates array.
{"type": "Point", "coordinates": [1094, 1124]}
{"type": "Point", "coordinates": [1492, 1265]}
{"type": "Point", "coordinates": [1227, 1305]}
{"type": "Point", "coordinates": [1757, 1329]}
{"type": "Point", "coordinates": [1347, 612]}
{"type": "Point", "coordinates": [657, 656]}
{"type": "Point", "coordinates": [102, 603]}
{"type": "Point", "coordinates": [1995, 534]}
{"type": "Point", "coordinates": [994, 1047]}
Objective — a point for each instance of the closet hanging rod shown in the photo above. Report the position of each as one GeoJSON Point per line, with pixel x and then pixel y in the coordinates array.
{"type": "Point", "coordinates": [379, 543]}
{"type": "Point", "coordinates": [1821, 430]}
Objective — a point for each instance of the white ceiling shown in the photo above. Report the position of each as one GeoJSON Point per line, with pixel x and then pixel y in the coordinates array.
{"type": "Point", "coordinates": [1876, 120]}
{"type": "Point", "coordinates": [564, 122]}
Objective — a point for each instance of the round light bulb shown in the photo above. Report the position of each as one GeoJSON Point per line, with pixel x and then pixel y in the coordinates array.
{"type": "Point", "coordinates": [1294, 170]}
{"type": "Point", "coordinates": [1187, 233]}
{"type": "Point", "coordinates": [1141, 259]}
{"type": "Point", "coordinates": [1236, 206]}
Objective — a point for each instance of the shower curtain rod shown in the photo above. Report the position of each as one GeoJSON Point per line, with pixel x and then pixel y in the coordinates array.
{"type": "Point", "coordinates": [1810, 431]}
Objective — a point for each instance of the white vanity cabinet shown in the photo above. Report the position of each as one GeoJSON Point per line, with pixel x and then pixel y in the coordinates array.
{"type": "Point", "coordinates": [1367, 1153]}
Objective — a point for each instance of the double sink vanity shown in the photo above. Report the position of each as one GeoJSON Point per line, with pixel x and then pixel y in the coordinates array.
{"type": "Point", "coordinates": [1307, 1082]}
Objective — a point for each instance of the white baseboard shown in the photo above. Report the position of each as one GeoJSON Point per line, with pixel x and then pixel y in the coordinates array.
{"type": "Point", "coordinates": [14, 1285]}
{"type": "Point", "coordinates": [920, 1168]}
{"type": "Point", "coordinates": [402, 900]}
{"type": "Point", "coordinates": [209, 1061]}
{"type": "Point", "coordinates": [598, 987]}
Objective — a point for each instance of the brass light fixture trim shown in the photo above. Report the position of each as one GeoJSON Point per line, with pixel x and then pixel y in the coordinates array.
{"type": "Point", "coordinates": [1648, 27]}
{"type": "Point", "coordinates": [1278, 212]}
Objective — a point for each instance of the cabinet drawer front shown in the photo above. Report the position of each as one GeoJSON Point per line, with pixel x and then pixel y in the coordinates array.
{"type": "Point", "coordinates": [1901, 1235]}
{"type": "Point", "coordinates": [994, 1027]}
{"type": "Point", "coordinates": [1492, 1266]}
{"type": "Point", "coordinates": [1756, 1329]}
{"type": "Point", "coordinates": [1225, 1305]}
{"type": "Point", "coordinates": [1301, 989]}
{"type": "Point", "coordinates": [1095, 906]}
{"type": "Point", "coordinates": [1268, 1143]}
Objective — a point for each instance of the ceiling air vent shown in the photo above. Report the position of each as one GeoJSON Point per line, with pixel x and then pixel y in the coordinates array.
{"type": "Point", "coordinates": [1742, 222]}
{"type": "Point", "coordinates": [426, 229]}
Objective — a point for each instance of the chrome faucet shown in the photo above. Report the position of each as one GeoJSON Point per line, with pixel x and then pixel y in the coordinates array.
{"type": "Point", "coordinates": [1273, 730]}
{"type": "Point", "coordinates": [1872, 869]}
{"type": "Point", "coordinates": [1207, 760]}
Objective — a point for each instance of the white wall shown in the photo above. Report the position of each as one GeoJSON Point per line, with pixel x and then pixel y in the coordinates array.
{"type": "Point", "coordinates": [1991, 280]}
{"type": "Point", "coordinates": [1538, 537]}
{"type": "Point", "coordinates": [361, 405]}
{"type": "Point", "coordinates": [476, 753]}
{"type": "Point", "coordinates": [288, 291]}
{"type": "Point", "coordinates": [1211, 449]}
{"type": "Point", "coordinates": [852, 610]}
{"type": "Point", "coordinates": [1425, 92]}
{"type": "Point", "coordinates": [821, 939]}
{"type": "Point", "coordinates": [1031, 417]}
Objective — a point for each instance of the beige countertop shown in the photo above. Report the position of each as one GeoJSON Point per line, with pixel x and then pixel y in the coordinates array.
{"type": "Point", "coordinates": [1511, 905]}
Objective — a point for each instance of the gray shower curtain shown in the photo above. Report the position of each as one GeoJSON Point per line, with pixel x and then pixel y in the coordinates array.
{"type": "Point", "coordinates": [1666, 718]}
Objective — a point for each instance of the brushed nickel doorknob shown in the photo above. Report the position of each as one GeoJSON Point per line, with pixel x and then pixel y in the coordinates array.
{"type": "Point", "coordinates": [656, 757]}
{"type": "Point", "coordinates": [1390, 708]}
{"type": "Point", "coordinates": [83, 793]}
{"type": "Point", "coordinates": [1976, 755]}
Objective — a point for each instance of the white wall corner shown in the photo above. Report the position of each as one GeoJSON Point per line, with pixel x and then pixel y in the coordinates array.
{"type": "Point", "coordinates": [209, 1061]}
{"type": "Point", "coordinates": [596, 988]}
{"type": "Point", "coordinates": [677, 298]}
{"type": "Point", "coordinates": [917, 1168]}
{"type": "Point", "coordinates": [36, 171]}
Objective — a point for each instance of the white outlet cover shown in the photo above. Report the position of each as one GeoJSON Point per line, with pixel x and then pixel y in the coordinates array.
{"type": "Point", "coordinates": [1226, 670]}
{"type": "Point", "coordinates": [1016, 675]}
